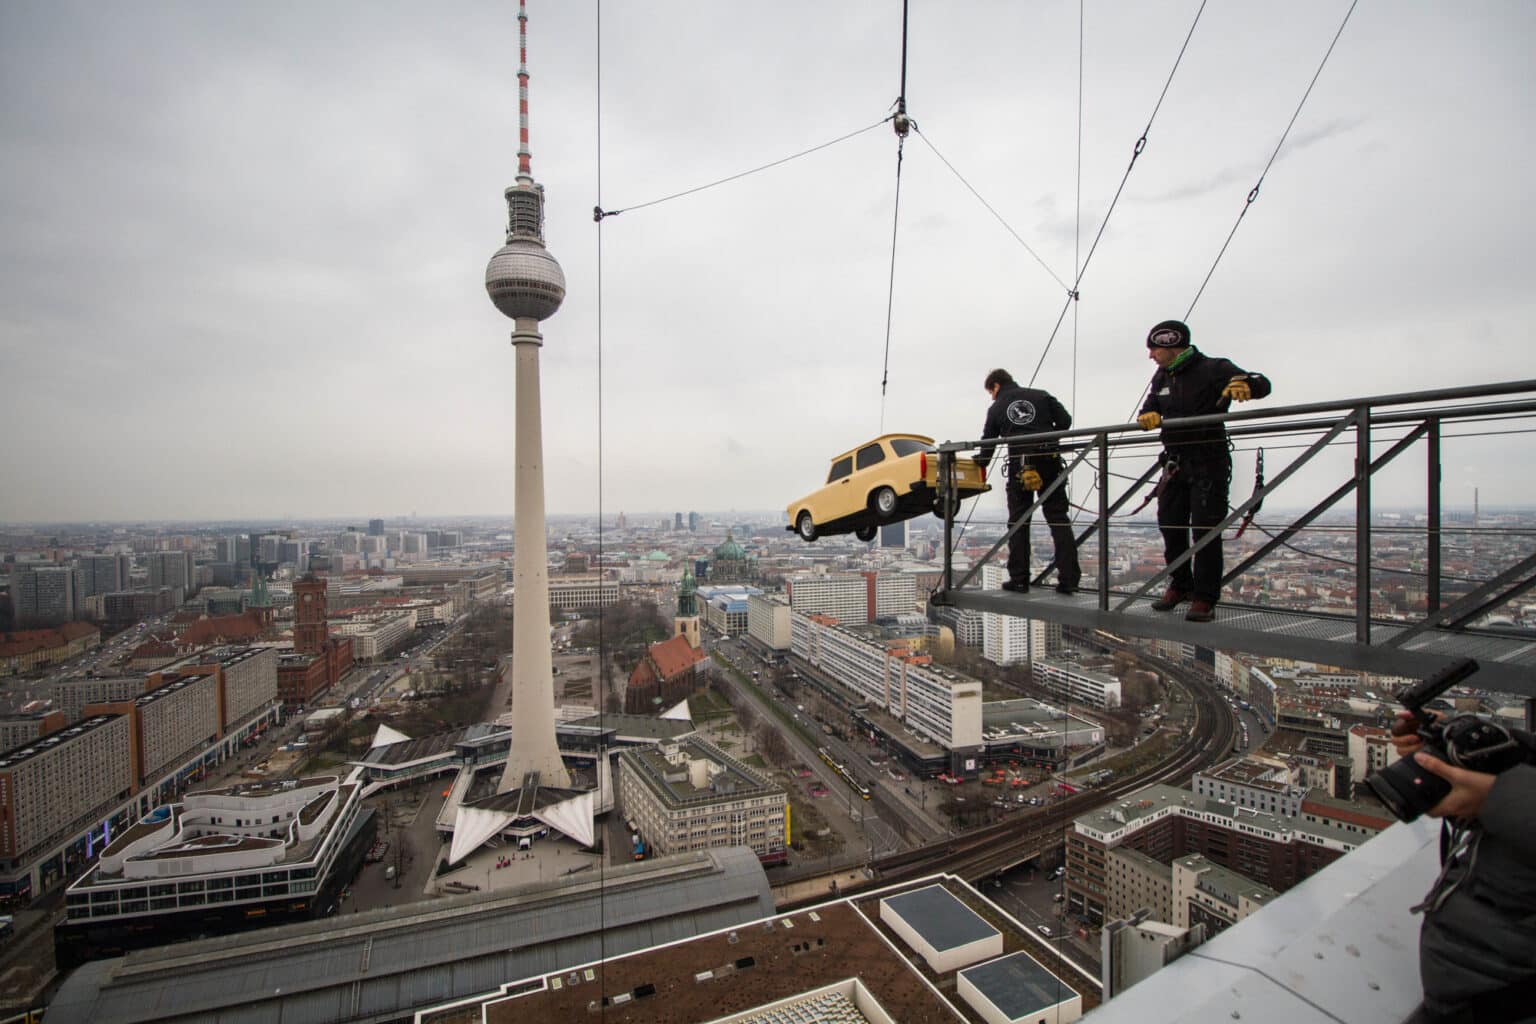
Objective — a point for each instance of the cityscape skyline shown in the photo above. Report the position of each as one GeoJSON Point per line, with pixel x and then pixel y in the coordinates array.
{"type": "Point", "coordinates": [307, 279]}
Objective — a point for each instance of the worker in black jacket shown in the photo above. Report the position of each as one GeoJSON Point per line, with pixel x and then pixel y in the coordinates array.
{"type": "Point", "coordinates": [1197, 467]}
{"type": "Point", "coordinates": [1015, 412]}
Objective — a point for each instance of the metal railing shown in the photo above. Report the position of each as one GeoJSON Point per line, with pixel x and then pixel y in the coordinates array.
{"type": "Point", "coordinates": [1393, 422]}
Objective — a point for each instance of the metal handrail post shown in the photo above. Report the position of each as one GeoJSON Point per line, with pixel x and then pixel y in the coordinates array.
{"type": "Point", "coordinates": [1363, 524]}
{"type": "Point", "coordinates": [1432, 513]}
{"type": "Point", "coordinates": [1103, 444]}
{"type": "Point", "coordinates": [946, 470]}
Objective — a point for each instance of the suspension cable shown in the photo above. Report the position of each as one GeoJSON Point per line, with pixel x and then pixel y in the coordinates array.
{"type": "Point", "coordinates": [598, 213]}
{"type": "Point", "coordinates": [1254, 194]}
{"type": "Point", "coordinates": [1141, 144]}
{"type": "Point", "coordinates": [988, 206]}
{"type": "Point", "coordinates": [902, 124]}
{"type": "Point", "coordinates": [602, 653]}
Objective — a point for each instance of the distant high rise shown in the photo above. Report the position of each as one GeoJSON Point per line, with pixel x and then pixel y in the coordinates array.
{"type": "Point", "coordinates": [105, 574]}
{"type": "Point", "coordinates": [693, 522]}
{"type": "Point", "coordinates": [44, 594]}
{"type": "Point", "coordinates": [171, 569]}
{"type": "Point", "coordinates": [526, 284]}
{"type": "Point", "coordinates": [894, 535]}
{"type": "Point", "coordinates": [375, 527]}
{"type": "Point", "coordinates": [677, 521]}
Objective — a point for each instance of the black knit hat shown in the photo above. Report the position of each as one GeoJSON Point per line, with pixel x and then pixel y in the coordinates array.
{"type": "Point", "coordinates": [1168, 334]}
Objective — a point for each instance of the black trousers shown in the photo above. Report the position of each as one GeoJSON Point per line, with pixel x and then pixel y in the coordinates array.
{"type": "Point", "coordinates": [1055, 507]}
{"type": "Point", "coordinates": [1192, 503]}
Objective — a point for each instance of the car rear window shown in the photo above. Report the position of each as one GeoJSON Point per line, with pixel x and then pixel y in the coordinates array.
{"type": "Point", "coordinates": [906, 446]}
{"type": "Point", "coordinates": [840, 469]}
{"type": "Point", "coordinates": [870, 454]}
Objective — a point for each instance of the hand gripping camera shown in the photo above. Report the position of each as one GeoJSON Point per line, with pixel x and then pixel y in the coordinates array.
{"type": "Point", "coordinates": [1466, 741]}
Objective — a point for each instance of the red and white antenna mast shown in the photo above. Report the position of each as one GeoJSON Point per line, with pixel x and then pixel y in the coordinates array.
{"type": "Point", "coordinates": [524, 169]}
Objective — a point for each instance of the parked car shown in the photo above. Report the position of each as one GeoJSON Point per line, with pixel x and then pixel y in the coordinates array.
{"type": "Point", "coordinates": [890, 479]}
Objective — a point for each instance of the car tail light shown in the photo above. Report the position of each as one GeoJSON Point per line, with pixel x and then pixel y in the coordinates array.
{"type": "Point", "coordinates": [922, 465]}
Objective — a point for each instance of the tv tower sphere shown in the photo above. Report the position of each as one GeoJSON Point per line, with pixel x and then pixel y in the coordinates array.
{"type": "Point", "coordinates": [524, 280]}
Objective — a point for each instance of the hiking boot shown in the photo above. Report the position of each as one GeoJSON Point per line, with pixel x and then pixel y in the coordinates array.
{"type": "Point", "coordinates": [1200, 611]}
{"type": "Point", "coordinates": [1171, 599]}
{"type": "Point", "coordinates": [1019, 586]}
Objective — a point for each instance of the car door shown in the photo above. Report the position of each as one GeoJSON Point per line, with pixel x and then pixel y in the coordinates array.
{"type": "Point", "coordinates": [868, 472]}
{"type": "Point", "coordinates": [839, 491]}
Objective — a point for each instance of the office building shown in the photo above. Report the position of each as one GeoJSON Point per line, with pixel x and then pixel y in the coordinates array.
{"type": "Point", "coordinates": [375, 527]}
{"type": "Point", "coordinates": [572, 593]}
{"type": "Point", "coordinates": [1077, 682]}
{"type": "Point", "coordinates": [724, 608]}
{"type": "Point", "coordinates": [688, 794]}
{"type": "Point", "coordinates": [105, 574]}
{"type": "Point", "coordinates": [173, 571]}
{"type": "Point", "coordinates": [768, 620]}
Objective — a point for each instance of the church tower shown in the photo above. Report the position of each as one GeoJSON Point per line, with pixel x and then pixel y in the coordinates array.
{"type": "Point", "coordinates": [686, 623]}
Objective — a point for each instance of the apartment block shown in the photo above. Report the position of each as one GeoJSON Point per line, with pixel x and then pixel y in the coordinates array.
{"type": "Point", "coordinates": [65, 777]}
{"type": "Point", "coordinates": [1205, 893]}
{"type": "Point", "coordinates": [932, 701]}
{"type": "Point", "coordinates": [1165, 823]}
{"type": "Point", "coordinates": [17, 731]}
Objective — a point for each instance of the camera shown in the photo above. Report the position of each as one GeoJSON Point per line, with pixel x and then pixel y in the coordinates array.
{"type": "Point", "coordinates": [1466, 741]}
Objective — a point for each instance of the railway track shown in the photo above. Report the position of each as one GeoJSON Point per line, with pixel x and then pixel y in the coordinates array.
{"type": "Point", "coordinates": [994, 848]}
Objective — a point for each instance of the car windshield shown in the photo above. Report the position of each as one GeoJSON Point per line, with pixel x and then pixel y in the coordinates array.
{"type": "Point", "coordinates": [907, 446]}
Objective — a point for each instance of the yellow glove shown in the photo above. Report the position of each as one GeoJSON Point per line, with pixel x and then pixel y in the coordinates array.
{"type": "Point", "coordinates": [1149, 420]}
{"type": "Point", "coordinates": [1031, 480]}
{"type": "Point", "coordinates": [1237, 389]}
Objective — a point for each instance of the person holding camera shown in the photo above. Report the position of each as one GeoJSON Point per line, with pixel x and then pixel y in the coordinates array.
{"type": "Point", "coordinates": [1477, 947]}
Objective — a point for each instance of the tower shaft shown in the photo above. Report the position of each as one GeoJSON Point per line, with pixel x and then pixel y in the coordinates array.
{"type": "Point", "coordinates": [533, 698]}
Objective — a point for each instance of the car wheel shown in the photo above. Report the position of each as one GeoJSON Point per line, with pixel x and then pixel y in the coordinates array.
{"type": "Point", "coordinates": [806, 526]}
{"type": "Point", "coordinates": [883, 501]}
{"type": "Point", "coordinates": [866, 533]}
{"type": "Point", "coordinates": [954, 507]}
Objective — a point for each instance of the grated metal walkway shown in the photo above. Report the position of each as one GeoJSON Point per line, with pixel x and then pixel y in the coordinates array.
{"type": "Point", "coordinates": [1507, 662]}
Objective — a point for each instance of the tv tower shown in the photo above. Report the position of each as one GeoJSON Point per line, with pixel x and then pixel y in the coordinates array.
{"type": "Point", "coordinates": [526, 284]}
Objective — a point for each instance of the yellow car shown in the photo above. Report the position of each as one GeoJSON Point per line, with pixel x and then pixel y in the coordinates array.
{"type": "Point", "coordinates": [892, 478]}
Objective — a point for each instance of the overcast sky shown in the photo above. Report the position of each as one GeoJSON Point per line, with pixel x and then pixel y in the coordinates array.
{"type": "Point", "coordinates": [241, 270]}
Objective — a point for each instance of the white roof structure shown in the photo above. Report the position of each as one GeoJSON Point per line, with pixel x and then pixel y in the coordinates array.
{"type": "Point", "coordinates": [385, 736]}
{"type": "Point", "coordinates": [472, 826]}
{"type": "Point", "coordinates": [678, 712]}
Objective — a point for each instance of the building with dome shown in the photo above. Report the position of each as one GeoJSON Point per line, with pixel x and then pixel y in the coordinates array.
{"type": "Point", "coordinates": [730, 563]}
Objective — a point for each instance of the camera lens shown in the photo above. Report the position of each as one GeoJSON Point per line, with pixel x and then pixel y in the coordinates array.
{"type": "Point", "coordinates": [1407, 789]}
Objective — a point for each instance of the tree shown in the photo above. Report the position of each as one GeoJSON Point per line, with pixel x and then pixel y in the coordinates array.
{"type": "Point", "coordinates": [771, 744]}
